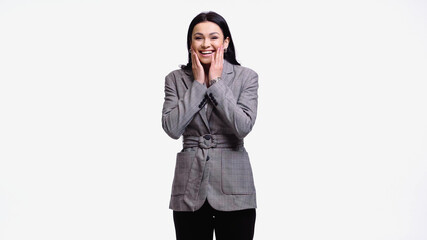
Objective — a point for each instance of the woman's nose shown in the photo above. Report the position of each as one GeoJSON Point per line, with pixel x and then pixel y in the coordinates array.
{"type": "Point", "coordinates": [206, 43]}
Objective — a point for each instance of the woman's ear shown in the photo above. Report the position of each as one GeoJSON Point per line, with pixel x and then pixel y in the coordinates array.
{"type": "Point", "coordinates": [226, 41]}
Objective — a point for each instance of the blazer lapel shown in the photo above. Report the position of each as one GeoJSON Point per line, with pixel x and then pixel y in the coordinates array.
{"type": "Point", "coordinates": [227, 72]}
{"type": "Point", "coordinates": [209, 111]}
{"type": "Point", "coordinates": [202, 113]}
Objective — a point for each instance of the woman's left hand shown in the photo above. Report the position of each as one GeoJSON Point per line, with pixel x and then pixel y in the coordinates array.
{"type": "Point", "coordinates": [217, 63]}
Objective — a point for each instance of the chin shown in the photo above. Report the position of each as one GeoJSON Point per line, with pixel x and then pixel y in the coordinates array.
{"type": "Point", "coordinates": [205, 62]}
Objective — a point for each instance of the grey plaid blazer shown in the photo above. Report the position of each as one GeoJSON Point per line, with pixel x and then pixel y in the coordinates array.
{"type": "Point", "coordinates": [213, 163]}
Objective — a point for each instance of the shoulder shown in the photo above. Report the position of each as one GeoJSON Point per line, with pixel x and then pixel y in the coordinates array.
{"type": "Point", "coordinates": [239, 71]}
{"type": "Point", "coordinates": [177, 74]}
{"type": "Point", "coordinates": [247, 76]}
{"type": "Point", "coordinates": [244, 70]}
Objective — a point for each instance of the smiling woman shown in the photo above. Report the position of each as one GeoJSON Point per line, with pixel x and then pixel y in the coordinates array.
{"type": "Point", "coordinates": [212, 27]}
{"type": "Point", "coordinates": [212, 102]}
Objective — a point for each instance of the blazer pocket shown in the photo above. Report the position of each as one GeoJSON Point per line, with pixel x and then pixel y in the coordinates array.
{"type": "Point", "coordinates": [182, 171]}
{"type": "Point", "coordinates": [236, 175]}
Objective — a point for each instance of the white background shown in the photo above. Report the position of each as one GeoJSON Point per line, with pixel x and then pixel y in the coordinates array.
{"type": "Point", "coordinates": [339, 150]}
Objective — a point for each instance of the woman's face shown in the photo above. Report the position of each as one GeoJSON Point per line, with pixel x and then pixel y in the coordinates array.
{"type": "Point", "coordinates": [206, 38]}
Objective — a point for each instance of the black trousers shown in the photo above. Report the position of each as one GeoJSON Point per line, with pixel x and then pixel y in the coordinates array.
{"type": "Point", "coordinates": [200, 225]}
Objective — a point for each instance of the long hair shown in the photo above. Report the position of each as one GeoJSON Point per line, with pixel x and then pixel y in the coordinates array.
{"type": "Point", "coordinates": [214, 17]}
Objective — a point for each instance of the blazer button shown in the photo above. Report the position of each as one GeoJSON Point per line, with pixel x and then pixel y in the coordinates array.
{"type": "Point", "coordinates": [207, 137]}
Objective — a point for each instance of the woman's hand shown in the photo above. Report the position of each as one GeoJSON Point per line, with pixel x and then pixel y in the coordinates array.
{"type": "Point", "coordinates": [217, 63]}
{"type": "Point", "coordinates": [198, 72]}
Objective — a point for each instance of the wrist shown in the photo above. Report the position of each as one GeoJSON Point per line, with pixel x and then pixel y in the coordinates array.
{"type": "Point", "coordinates": [199, 81]}
{"type": "Point", "coordinates": [214, 80]}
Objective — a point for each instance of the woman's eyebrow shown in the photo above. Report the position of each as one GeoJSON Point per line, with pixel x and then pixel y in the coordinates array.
{"type": "Point", "coordinates": [212, 33]}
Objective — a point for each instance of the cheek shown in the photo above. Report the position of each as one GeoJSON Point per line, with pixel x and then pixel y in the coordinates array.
{"type": "Point", "coordinates": [194, 44]}
{"type": "Point", "coordinates": [217, 45]}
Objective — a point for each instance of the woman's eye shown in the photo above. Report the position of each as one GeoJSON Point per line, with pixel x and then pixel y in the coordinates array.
{"type": "Point", "coordinates": [197, 38]}
{"type": "Point", "coordinates": [214, 37]}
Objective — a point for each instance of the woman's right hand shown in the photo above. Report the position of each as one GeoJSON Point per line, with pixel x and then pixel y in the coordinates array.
{"type": "Point", "coordinates": [198, 71]}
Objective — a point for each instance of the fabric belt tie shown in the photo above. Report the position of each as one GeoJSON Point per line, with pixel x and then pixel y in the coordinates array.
{"type": "Point", "coordinates": [204, 143]}
{"type": "Point", "coordinates": [212, 141]}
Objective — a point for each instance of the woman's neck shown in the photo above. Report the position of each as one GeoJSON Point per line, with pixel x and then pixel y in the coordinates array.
{"type": "Point", "coordinates": [206, 69]}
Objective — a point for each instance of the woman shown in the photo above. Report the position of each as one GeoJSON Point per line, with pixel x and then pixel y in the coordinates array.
{"type": "Point", "coordinates": [212, 103]}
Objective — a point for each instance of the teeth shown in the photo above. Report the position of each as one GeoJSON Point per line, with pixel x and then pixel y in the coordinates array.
{"type": "Point", "coordinates": [207, 52]}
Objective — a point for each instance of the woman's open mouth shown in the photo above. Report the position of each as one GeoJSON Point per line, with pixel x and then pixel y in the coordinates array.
{"type": "Point", "coordinates": [206, 53]}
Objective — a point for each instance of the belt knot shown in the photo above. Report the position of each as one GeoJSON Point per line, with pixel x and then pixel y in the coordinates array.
{"type": "Point", "coordinates": [207, 141]}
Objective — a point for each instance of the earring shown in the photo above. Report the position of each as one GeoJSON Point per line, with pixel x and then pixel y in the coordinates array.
{"type": "Point", "coordinates": [225, 50]}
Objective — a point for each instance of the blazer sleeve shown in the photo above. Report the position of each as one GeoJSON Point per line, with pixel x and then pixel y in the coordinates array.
{"type": "Point", "coordinates": [240, 113]}
{"type": "Point", "coordinates": [178, 112]}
